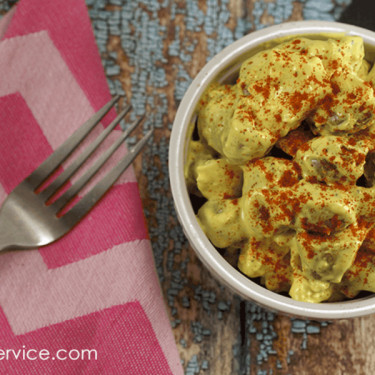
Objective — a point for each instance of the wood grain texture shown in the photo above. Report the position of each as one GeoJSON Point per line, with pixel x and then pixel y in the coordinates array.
{"type": "Point", "coordinates": [216, 331]}
{"type": "Point", "coordinates": [151, 50]}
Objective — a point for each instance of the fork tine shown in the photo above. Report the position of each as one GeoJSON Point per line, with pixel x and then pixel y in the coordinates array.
{"type": "Point", "coordinates": [92, 197]}
{"type": "Point", "coordinates": [40, 174]}
{"type": "Point", "coordinates": [77, 163]}
{"type": "Point", "coordinates": [91, 172]}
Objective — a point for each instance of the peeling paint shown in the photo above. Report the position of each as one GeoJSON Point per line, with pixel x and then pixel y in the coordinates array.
{"type": "Point", "coordinates": [154, 49]}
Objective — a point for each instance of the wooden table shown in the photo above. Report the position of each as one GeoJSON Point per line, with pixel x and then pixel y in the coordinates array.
{"type": "Point", "coordinates": [152, 54]}
{"type": "Point", "coordinates": [151, 50]}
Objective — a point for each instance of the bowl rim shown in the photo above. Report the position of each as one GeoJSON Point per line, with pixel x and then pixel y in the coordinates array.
{"type": "Point", "coordinates": [205, 251]}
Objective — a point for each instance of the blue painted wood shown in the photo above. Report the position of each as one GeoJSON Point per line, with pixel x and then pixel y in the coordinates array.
{"type": "Point", "coordinates": [143, 39]}
{"type": "Point", "coordinates": [152, 64]}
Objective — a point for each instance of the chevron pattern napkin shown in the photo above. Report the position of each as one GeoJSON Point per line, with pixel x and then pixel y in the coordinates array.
{"type": "Point", "coordinates": [91, 302]}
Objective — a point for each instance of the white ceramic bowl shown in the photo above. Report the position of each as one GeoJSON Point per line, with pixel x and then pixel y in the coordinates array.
{"type": "Point", "coordinates": [223, 65]}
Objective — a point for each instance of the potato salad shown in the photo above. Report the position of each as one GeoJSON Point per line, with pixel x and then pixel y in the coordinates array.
{"type": "Point", "coordinates": [283, 164]}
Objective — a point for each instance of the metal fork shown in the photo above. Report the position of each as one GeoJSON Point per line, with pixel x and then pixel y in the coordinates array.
{"type": "Point", "coordinates": [29, 217]}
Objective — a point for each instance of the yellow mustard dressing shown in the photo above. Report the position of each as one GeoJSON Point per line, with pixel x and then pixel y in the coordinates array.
{"type": "Point", "coordinates": [285, 163]}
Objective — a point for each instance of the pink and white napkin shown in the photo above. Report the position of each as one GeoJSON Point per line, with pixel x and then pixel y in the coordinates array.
{"type": "Point", "coordinates": [91, 302]}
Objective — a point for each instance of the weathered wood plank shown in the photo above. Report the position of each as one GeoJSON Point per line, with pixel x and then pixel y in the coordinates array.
{"type": "Point", "coordinates": [151, 51]}
{"type": "Point", "coordinates": [217, 332]}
